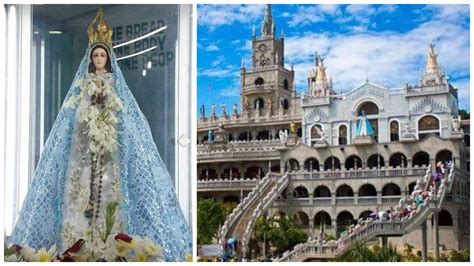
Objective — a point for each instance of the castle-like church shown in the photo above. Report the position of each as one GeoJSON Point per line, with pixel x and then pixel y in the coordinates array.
{"type": "Point", "coordinates": [334, 174]}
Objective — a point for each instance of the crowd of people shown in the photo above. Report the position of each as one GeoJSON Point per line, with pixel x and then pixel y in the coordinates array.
{"type": "Point", "coordinates": [405, 209]}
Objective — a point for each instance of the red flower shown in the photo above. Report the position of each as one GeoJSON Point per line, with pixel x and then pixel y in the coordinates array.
{"type": "Point", "coordinates": [75, 248]}
{"type": "Point", "coordinates": [123, 237]}
{"type": "Point", "coordinates": [16, 248]}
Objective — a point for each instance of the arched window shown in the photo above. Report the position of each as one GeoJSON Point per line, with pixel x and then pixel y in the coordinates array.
{"type": "Point", "coordinates": [353, 162]}
{"type": "Point", "coordinates": [398, 160]}
{"type": "Point", "coordinates": [316, 134]}
{"type": "Point", "coordinates": [263, 135]}
{"type": "Point", "coordinates": [300, 192]}
{"type": "Point", "coordinates": [285, 104]}
{"type": "Point", "coordinates": [311, 164]}
{"type": "Point", "coordinates": [322, 218]}
{"type": "Point", "coordinates": [293, 165]}
{"type": "Point", "coordinates": [421, 158]}
{"type": "Point", "coordinates": [445, 218]}
{"type": "Point", "coordinates": [391, 189]}
{"type": "Point", "coordinates": [444, 156]}
{"type": "Point", "coordinates": [428, 125]}
{"type": "Point", "coordinates": [259, 81]}
{"type": "Point", "coordinates": [367, 190]}
{"type": "Point", "coordinates": [375, 161]}
{"type": "Point", "coordinates": [343, 135]}
{"type": "Point", "coordinates": [245, 136]}
{"type": "Point", "coordinates": [322, 192]}
{"type": "Point", "coordinates": [332, 163]}
{"type": "Point", "coordinates": [369, 108]}
{"type": "Point", "coordinates": [301, 218]}
{"type": "Point", "coordinates": [258, 104]}
{"type": "Point", "coordinates": [285, 84]}
{"type": "Point", "coordinates": [343, 220]}
{"type": "Point", "coordinates": [344, 191]}
{"type": "Point", "coordinates": [394, 131]}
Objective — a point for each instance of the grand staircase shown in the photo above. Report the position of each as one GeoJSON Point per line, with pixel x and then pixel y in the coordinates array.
{"type": "Point", "coordinates": [312, 250]}
{"type": "Point", "coordinates": [241, 221]}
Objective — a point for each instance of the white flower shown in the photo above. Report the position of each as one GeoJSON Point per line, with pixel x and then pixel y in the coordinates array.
{"type": "Point", "coordinates": [44, 255]}
{"type": "Point", "coordinates": [150, 247]}
{"type": "Point", "coordinates": [12, 258]}
{"type": "Point", "coordinates": [28, 253]}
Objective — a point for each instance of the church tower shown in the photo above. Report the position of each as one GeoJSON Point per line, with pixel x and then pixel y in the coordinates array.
{"type": "Point", "coordinates": [319, 84]}
{"type": "Point", "coordinates": [433, 75]}
{"type": "Point", "coordinates": [267, 86]}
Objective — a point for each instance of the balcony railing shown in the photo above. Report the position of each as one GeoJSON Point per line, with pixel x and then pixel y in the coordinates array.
{"type": "Point", "coordinates": [287, 116]}
{"type": "Point", "coordinates": [367, 200]}
{"type": "Point", "coordinates": [322, 201]}
{"type": "Point", "coordinates": [391, 199]}
{"type": "Point", "coordinates": [411, 91]}
{"type": "Point", "coordinates": [359, 173]}
{"type": "Point", "coordinates": [345, 200]}
{"type": "Point", "coordinates": [221, 183]}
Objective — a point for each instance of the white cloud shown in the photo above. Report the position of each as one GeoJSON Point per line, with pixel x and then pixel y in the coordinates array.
{"type": "Point", "coordinates": [212, 48]}
{"type": "Point", "coordinates": [219, 60]}
{"type": "Point", "coordinates": [389, 58]}
{"type": "Point", "coordinates": [232, 91]}
{"type": "Point", "coordinates": [306, 15]}
{"type": "Point", "coordinates": [235, 42]}
{"type": "Point", "coordinates": [226, 72]}
{"type": "Point", "coordinates": [213, 16]}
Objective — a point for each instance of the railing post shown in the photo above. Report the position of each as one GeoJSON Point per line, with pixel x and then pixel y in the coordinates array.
{"type": "Point", "coordinates": [424, 241]}
{"type": "Point", "coordinates": [436, 234]}
{"type": "Point", "coordinates": [384, 243]}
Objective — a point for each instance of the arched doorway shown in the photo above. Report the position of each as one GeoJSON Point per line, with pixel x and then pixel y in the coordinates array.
{"type": "Point", "coordinates": [398, 160]}
{"type": "Point", "coordinates": [344, 191]}
{"type": "Point", "coordinates": [353, 162]}
{"type": "Point", "coordinates": [421, 158]}
{"type": "Point", "coordinates": [344, 220]}
{"type": "Point", "coordinates": [322, 218]}
{"type": "Point", "coordinates": [391, 189]}
{"type": "Point", "coordinates": [302, 219]}
{"type": "Point", "coordinates": [375, 161]}
{"type": "Point", "coordinates": [311, 164]}
{"type": "Point", "coordinates": [332, 163]}
{"type": "Point", "coordinates": [300, 192]}
{"type": "Point", "coordinates": [444, 156]}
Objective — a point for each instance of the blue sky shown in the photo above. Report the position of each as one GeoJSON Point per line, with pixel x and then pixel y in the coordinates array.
{"type": "Point", "coordinates": [386, 43]}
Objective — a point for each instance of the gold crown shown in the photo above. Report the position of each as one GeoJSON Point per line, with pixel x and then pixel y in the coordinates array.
{"type": "Point", "coordinates": [104, 31]}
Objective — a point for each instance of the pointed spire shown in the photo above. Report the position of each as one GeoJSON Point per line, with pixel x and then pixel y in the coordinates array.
{"type": "Point", "coordinates": [253, 32]}
{"type": "Point", "coordinates": [432, 63]}
{"type": "Point", "coordinates": [242, 65]}
{"type": "Point", "coordinates": [268, 26]}
{"type": "Point", "coordinates": [321, 75]}
{"type": "Point", "coordinates": [433, 73]}
{"type": "Point", "coordinates": [282, 34]}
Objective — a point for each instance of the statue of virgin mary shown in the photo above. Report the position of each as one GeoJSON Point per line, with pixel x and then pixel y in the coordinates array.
{"type": "Point", "coordinates": [364, 127]}
{"type": "Point", "coordinates": [101, 190]}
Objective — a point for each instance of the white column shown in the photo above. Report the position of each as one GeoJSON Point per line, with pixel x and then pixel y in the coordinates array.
{"type": "Point", "coordinates": [17, 164]}
{"type": "Point", "coordinates": [185, 94]}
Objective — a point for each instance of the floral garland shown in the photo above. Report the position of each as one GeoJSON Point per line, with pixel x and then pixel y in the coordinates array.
{"type": "Point", "coordinates": [121, 247]}
{"type": "Point", "coordinates": [100, 119]}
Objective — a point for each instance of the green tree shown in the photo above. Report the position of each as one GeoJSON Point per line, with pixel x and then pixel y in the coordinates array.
{"type": "Point", "coordinates": [282, 233]}
{"type": "Point", "coordinates": [464, 114]}
{"type": "Point", "coordinates": [210, 215]}
{"type": "Point", "coordinates": [362, 253]}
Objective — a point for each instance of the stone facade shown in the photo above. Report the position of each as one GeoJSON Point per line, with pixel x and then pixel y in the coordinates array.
{"type": "Point", "coordinates": [334, 176]}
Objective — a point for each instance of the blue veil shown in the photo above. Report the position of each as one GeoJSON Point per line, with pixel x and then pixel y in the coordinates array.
{"type": "Point", "coordinates": [149, 201]}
